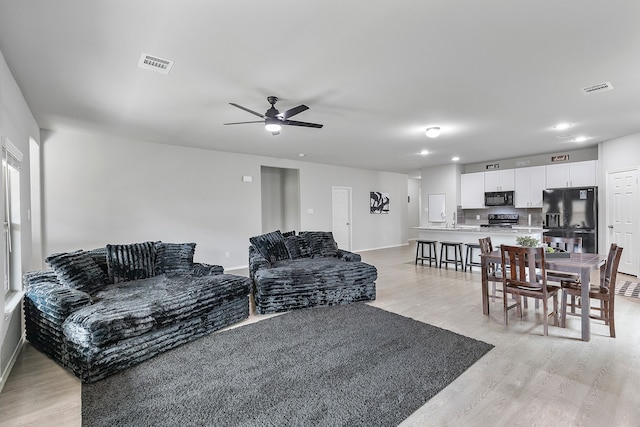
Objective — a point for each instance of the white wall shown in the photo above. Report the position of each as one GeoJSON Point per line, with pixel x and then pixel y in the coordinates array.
{"type": "Point", "coordinates": [614, 155]}
{"type": "Point", "coordinates": [438, 180]}
{"type": "Point", "coordinates": [620, 153]}
{"type": "Point", "coordinates": [18, 125]}
{"type": "Point", "coordinates": [99, 189]}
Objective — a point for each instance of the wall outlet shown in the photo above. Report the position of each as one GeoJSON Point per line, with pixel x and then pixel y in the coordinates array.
{"type": "Point", "coordinates": [226, 254]}
{"type": "Point", "coordinates": [478, 217]}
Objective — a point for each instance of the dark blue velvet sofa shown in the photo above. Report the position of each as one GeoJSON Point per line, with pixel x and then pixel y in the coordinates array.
{"type": "Point", "coordinates": [296, 271]}
{"type": "Point", "coordinates": [101, 311]}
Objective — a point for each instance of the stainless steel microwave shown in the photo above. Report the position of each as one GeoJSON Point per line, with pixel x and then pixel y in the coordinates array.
{"type": "Point", "coordinates": [498, 198]}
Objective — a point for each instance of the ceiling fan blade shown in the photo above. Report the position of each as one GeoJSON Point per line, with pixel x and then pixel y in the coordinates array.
{"type": "Point", "coordinates": [305, 124]}
{"type": "Point", "coordinates": [242, 123]}
{"type": "Point", "coordinates": [293, 111]}
{"type": "Point", "coordinates": [247, 110]}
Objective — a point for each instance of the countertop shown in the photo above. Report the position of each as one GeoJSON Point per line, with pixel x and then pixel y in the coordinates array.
{"type": "Point", "coordinates": [485, 230]}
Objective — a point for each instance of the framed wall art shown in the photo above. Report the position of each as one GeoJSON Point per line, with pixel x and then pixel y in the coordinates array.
{"type": "Point", "coordinates": [379, 202]}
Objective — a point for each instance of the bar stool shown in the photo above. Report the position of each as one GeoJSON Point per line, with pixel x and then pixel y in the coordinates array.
{"type": "Point", "coordinates": [468, 260]}
{"type": "Point", "coordinates": [457, 250]}
{"type": "Point", "coordinates": [433, 254]}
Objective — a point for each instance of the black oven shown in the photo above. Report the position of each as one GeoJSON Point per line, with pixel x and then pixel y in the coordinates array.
{"type": "Point", "coordinates": [498, 198]}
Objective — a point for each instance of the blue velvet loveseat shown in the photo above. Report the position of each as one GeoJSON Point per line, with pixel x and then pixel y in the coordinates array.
{"type": "Point", "coordinates": [296, 271]}
{"type": "Point", "coordinates": [101, 311]}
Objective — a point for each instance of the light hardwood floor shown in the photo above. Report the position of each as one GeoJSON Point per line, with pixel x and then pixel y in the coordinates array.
{"type": "Point", "coordinates": [527, 379]}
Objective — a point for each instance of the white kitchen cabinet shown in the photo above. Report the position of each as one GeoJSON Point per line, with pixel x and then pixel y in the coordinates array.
{"type": "Point", "coordinates": [500, 180]}
{"type": "Point", "coordinates": [577, 174]}
{"type": "Point", "coordinates": [472, 190]}
{"type": "Point", "coordinates": [529, 186]}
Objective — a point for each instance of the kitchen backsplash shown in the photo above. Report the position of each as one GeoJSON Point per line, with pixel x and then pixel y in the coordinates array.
{"type": "Point", "coordinates": [470, 216]}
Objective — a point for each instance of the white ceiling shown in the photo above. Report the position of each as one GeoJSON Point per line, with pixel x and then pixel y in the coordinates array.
{"type": "Point", "coordinates": [494, 75]}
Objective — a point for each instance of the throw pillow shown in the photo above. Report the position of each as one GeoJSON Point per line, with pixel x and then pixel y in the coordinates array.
{"type": "Point", "coordinates": [78, 270]}
{"type": "Point", "coordinates": [320, 243]}
{"type": "Point", "coordinates": [174, 258]}
{"type": "Point", "coordinates": [297, 247]}
{"type": "Point", "coordinates": [131, 262]}
{"type": "Point", "coordinates": [36, 277]}
{"type": "Point", "coordinates": [99, 255]}
{"type": "Point", "coordinates": [271, 246]}
{"type": "Point", "coordinates": [289, 233]}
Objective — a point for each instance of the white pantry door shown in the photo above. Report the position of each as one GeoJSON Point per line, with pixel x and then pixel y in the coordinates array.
{"type": "Point", "coordinates": [341, 207]}
{"type": "Point", "coordinates": [622, 217]}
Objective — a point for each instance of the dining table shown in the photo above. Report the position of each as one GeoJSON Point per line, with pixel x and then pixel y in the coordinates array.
{"type": "Point", "coordinates": [580, 263]}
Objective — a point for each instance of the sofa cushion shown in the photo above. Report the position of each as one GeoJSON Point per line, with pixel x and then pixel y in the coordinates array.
{"type": "Point", "coordinates": [131, 262]}
{"type": "Point", "coordinates": [271, 246]}
{"type": "Point", "coordinates": [320, 243]}
{"type": "Point", "coordinates": [297, 247]}
{"type": "Point", "coordinates": [126, 310]}
{"type": "Point", "coordinates": [174, 258]}
{"type": "Point", "coordinates": [78, 270]}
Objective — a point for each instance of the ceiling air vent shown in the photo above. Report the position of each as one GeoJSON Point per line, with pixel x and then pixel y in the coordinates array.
{"type": "Point", "coordinates": [600, 87]}
{"type": "Point", "coordinates": [154, 63]}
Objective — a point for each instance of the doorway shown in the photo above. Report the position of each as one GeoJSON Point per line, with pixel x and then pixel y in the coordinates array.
{"type": "Point", "coordinates": [622, 221]}
{"type": "Point", "coordinates": [280, 189]}
{"type": "Point", "coordinates": [341, 214]}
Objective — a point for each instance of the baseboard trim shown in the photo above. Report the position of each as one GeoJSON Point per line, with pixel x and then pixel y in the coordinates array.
{"type": "Point", "coordinates": [241, 267]}
{"type": "Point", "coordinates": [12, 362]}
{"type": "Point", "coordinates": [381, 247]}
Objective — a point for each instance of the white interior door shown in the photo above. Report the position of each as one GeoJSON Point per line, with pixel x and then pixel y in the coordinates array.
{"type": "Point", "coordinates": [341, 207]}
{"type": "Point", "coordinates": [622, 217]}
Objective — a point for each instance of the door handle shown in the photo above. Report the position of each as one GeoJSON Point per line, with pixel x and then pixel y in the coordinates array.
{"type": "Point", "coordinates": [611, 226]}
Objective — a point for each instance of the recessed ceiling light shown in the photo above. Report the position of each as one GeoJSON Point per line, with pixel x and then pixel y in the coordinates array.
{"type": "Point", "coordinates": [424, 152]}
{"type": "Point", "coordinates": [580, 139]}
{"type": "Point", "coordinates": [562, 126]}
{"type": "Point", "coordinates": [455, 159]}
{"type": "Point", "coordinates": [433, 132]}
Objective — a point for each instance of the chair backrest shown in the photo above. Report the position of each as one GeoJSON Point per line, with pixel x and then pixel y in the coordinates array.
{"type": "Point", "coordinates": [525, 266]}
{"type": "Point", "coordinates": [564, 244]}
{"type": "Point", "coordinates": [609, 271]}
{"type": "Point", "coordinates": [486, 247]}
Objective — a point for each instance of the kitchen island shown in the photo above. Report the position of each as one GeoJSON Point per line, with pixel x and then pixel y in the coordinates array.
{"type": "Point", "coordinates": [471, 234]}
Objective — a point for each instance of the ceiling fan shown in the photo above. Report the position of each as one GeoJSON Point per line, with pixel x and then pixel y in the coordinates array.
{"type": "Point", "coordinates": [273, 119]}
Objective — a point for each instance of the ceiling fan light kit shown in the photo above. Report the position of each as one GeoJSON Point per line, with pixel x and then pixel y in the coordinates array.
{"type": "Point", "coordinates": [433, 132]}
{"type": "Point", "coordinates": [274, 120]}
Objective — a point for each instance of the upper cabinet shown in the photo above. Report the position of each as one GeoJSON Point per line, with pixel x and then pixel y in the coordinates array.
{"type": "Point", "coordinates": [499, 180]}
{"type": "Point", "coordinates": [529, 185]}
{"type": "Point", "coordinates": [472, 190]}
{"type": "Point", "coordinates": [577, 174]}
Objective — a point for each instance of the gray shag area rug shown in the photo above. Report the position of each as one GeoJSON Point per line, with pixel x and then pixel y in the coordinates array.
{"type": "Point", "coordinates": [349, 365]}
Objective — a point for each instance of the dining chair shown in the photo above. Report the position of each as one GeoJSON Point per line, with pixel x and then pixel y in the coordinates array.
{"type": "Point", "coordinates": [526, 277]}
{"type": "Point", "coordinates": [563, 244]}
{"type": "Point", "coordinates": [603, 292]}
{"type": "Point", "coordinates": [494, 272]}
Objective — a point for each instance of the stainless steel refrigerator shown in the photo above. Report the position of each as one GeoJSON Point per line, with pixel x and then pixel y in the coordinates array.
{"type": "Point", "coordinates": [572, 212]}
